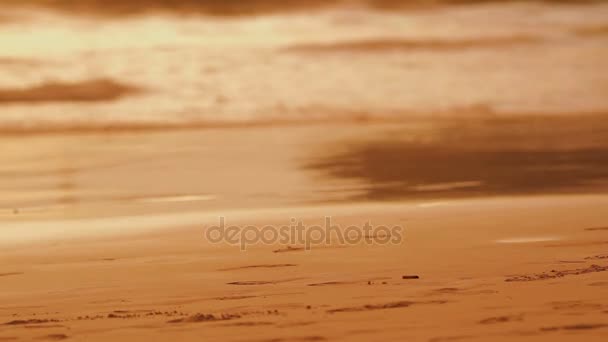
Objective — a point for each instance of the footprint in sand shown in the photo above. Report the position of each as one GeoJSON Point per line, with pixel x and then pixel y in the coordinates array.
{"type": "Point", "coordinates": [297, 339]}
{"type": "Point", "coordinates": [262, 282]}
{"type": "Point", "coordinates": [599, 283]}
{"type": "Point", "coordinates": [576, 327]}
{"type": "Point", "coordinates": [247, 324]}
{"type": "Point", "coordinates": [46, 326]}
{"type": "Point", "coordinates": [557, 274]}
{"type": "Point", "coordinates": [596, 228]}
{"type": "Point", "coordinates": [597, 257]}
{"type": "Point", "coordinates": [329, 283]}
{"type": "Point", "coordinates": [234, 297]}
{"type": "Point", "coordinates": [256, 267]}
{"type": "Point", "coordinates": [578, 244]}
{"type": "Point", "coordinates": [289, 249]}
{"type": "Point", "coordinates": [10, 274]}
{"type": "Point", "coordinates": [201, 318]}
{"type": "Point", "coordinates": [251, 282]}
{"type": "Point", "coordinates": [451, 338]}
{"type": "Point", "coordinates": [577, 306]}
{"type": "Point", "coordinates": [54, 337]}
{"type": "Point", "coordinates": [391, 305]}
{"type": "Point", "coordinates": [502, 319]}
{"type": "Point", "coordinates": [31, 321]}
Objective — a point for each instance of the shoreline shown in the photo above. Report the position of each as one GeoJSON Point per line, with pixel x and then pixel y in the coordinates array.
{"type": "Point", "coordinates": [403, 118]}
{"type": "Point", "coordinates": [48, 231]}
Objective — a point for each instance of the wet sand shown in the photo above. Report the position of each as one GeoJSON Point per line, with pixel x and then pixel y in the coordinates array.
{"type": "Point", "coordinates": [109, 245]}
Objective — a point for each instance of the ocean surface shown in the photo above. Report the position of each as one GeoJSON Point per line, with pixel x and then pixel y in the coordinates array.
{"type": "Point", "coordinates": [63, 70]}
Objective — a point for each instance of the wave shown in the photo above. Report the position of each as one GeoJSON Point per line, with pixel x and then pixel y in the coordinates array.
{"type": "Point", "coordinates": [157, 73]}
{"type": "Point", "coordinates": [239, 7]}
{"type": "Point", "coordinates": [212, 7]}
{"type": "Point", "coordinates": [390, 44]}
{"type": "Point", "coordinates": [84, 91]}
{"type": "Point", "coordinates": [327, 117]}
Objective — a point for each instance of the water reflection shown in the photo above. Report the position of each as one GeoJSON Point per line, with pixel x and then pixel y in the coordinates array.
{"type": "Point", "coordinates": [476, 157]}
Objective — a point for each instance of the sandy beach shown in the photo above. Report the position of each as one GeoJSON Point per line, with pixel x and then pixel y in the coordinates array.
{"type": "Point", "coordinates": [525, 269]}
{"type": "Point", "coordinates": [293, 171]}
{"type": "Point", "coordinates": [83, 261]}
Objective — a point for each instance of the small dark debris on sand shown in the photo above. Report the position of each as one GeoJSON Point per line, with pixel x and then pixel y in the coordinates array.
{"type": "Point", "coordinates": [557, 274]}
{"type": "Point", "coordinates": [410, 277]}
